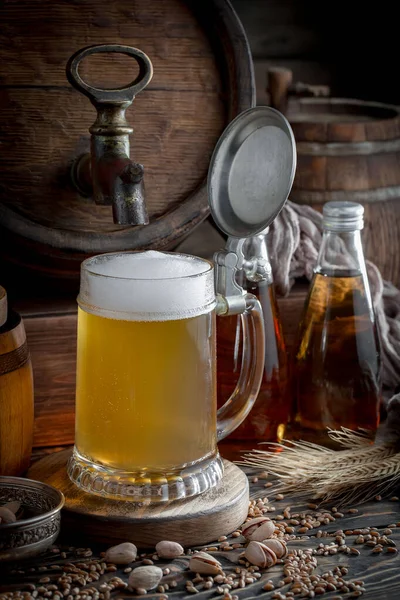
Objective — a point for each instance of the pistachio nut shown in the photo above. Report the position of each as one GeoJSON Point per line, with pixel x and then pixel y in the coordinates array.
{"type": "Point", "coordinates": [14, 506]}
{"type": "Point", "coordinates": [6, 515]}
{"type": "Point", "coordinates": [166, 549]}
{"type": "Point", "coordinates": [260, 555]}
{"type": "Point", "coordinates": [123, 554]}
{"type": "Point", "coordinates": [205, 564]}
{"type": "Point", "coordinates": [145, 578]}
{"type": "Point", "coordinates": [258, 529]}
{"type": "Point", "coordinates": [277, 546]}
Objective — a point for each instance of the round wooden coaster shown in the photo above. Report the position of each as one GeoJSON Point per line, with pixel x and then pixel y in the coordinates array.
{"type": "Point", "coordinates": [190, 522]}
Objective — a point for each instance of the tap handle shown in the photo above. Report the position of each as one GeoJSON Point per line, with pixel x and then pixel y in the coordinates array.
{"type": "Point", "coordinates": [117, 96]}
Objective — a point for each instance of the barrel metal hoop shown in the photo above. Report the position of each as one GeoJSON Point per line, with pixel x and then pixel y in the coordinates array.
{"type": "Point", "coordinates": [350, 149]}
{"type": "Point", "coordinates": [11, 361]}
{"type": "Point", "coordinates": [363, 196]}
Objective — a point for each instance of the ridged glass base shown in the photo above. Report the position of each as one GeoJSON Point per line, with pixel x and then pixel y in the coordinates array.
{"type": "Point", "coordinates": [145, 487]}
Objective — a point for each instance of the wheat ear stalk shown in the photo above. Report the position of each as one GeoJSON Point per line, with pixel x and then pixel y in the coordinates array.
{"type": "Point", "coordinates": [354, 475]}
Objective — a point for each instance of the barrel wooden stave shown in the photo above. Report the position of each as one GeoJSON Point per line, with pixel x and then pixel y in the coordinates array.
{"type": "Point", "coordinates": [328, 176]}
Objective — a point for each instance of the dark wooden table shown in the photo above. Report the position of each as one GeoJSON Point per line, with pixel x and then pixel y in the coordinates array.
{"type": "Point", "coordinates": [380, 572]}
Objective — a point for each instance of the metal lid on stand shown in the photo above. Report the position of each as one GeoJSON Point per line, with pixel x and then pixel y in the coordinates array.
{"type": "Point", "coordinates": [251, 172]}
{"type": "Point", "coordinates": [250, 176]}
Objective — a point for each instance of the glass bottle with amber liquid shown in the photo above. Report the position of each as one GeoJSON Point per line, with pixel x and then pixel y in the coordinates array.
{"type": "Point", "coordinates": [267, 419]}
{"type": "Point", "coordinates": [336, 367]}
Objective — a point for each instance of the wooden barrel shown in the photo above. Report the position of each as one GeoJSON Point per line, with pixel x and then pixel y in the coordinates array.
{"type": "Point", "coordinates": [203, 77]}
{"type": "Point", "coordinates": [16, 395]}
{"type": "Point", "coordinates": [350, 150]}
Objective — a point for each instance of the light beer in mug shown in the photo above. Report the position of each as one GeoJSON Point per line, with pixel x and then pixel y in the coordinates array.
{"type": "Point", "coordinates": [145, 391]}
{"type": "Point", "coordinates": [146, 415]}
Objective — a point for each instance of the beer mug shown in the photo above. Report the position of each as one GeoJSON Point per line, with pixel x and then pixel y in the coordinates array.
{"type": "Point", "coordinates": [147, 424]}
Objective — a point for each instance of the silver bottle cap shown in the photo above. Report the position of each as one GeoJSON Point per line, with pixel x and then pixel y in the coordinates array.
{"type": "Point", "coordinates": [343, 216]}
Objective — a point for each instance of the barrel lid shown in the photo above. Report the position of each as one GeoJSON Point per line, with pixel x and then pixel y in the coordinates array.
{"type": "Point", "coordinates": [251, 171]}
{"type": "Point", "coordinates": [3, 306]}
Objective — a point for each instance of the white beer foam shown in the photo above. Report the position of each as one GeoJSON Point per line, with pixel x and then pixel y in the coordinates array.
{"type": "Point", "coordinates": [146, 286]}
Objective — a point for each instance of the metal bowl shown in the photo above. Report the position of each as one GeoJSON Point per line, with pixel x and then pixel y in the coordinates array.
{"type": "Point", "coordinates": [39, 526]}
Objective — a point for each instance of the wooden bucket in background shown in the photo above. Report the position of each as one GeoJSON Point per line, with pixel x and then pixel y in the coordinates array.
{"type": "Point", "coordinates": [350, 150]}
{"type": "Point", "coordinates": [203, 77]}
{"type": "Point", "coordinates": [16, 393]}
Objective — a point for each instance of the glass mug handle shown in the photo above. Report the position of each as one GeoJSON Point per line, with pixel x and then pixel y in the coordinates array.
{"type": "Point", "coordinates": [238, 406]}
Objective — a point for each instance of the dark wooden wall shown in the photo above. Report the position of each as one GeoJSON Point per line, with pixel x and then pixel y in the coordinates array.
{"type": "Point", "coordinates": [352, 45]}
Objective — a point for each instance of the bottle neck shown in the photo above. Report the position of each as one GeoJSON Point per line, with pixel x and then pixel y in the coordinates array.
{"type": "Point", "coordinates": [341, 254]}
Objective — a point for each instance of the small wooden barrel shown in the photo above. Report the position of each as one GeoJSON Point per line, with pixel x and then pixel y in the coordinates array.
{"type": "Point", "coordinates": [16, 395]}
{"type": "Point", "coordinates": [350, 150]}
